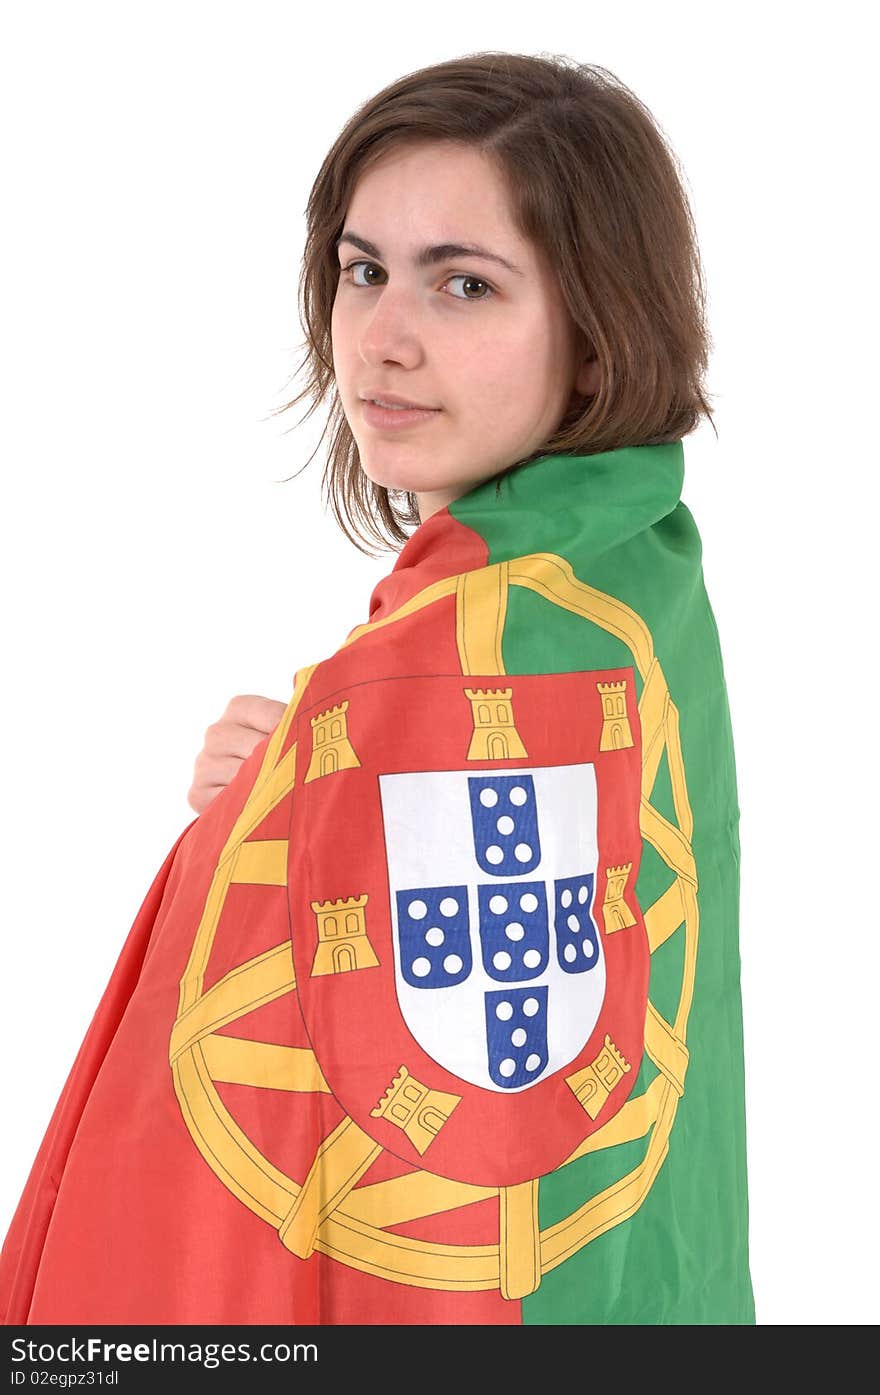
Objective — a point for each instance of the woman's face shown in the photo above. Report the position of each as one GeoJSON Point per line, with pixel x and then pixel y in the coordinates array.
{"type": "Point", "coordinates": [489, 347]}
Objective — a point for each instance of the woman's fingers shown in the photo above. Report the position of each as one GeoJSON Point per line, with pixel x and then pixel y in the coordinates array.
{"type": "Point", "coordinates": [228, 742]}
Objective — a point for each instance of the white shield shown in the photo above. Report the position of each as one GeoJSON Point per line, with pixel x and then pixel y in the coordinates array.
{"type": "Point", "coordinates": [498, 961]}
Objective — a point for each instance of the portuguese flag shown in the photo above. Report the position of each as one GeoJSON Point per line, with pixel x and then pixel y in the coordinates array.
{"type": "Point", "coordinates": [434, 1015]}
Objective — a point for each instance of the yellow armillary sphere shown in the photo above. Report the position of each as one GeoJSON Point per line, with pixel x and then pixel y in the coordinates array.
{"type": "Point", "coordinates": [330, 1208]}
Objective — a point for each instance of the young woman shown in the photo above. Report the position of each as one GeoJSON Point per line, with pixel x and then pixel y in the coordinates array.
{"type": "Point", "coordinates": [433, 1014]}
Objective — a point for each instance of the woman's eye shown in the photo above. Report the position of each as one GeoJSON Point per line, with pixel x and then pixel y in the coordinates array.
{"type": "Point", "coordinates": [474, 281]}
{"type": "Point", "coordinates": [461, 276]}
{"type": "Point", "coordinates": [353, 266]}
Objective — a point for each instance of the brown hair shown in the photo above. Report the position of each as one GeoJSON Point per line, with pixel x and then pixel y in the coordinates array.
{"type": "Point", "coordinates": [594, 184]}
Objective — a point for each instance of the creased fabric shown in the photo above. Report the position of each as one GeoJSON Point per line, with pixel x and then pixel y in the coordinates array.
{"type": "Point", "coordinates": [434, 1015]}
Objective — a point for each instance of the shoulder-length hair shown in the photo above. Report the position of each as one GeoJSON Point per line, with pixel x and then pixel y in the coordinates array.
{"type": "Point", "coordinates": [594, 184]}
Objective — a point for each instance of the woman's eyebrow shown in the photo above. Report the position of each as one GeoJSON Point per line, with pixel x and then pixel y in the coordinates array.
{"type": "Point", "coordinates": [429, 255]}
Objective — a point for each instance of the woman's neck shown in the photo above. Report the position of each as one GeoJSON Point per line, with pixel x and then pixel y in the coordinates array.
{"type": "Point", "coordinates": [433, 501]}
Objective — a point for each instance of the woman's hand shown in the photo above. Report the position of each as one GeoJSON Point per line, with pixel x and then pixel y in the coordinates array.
{"type": "Point", "coordinates": [229, 742]}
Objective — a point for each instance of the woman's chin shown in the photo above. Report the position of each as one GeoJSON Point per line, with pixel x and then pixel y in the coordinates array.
{"type": "Point", "coordinates": [416, 481]}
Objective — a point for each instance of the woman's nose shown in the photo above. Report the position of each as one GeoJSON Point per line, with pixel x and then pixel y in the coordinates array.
{"type": "Point", "coordinates": [391, 329]}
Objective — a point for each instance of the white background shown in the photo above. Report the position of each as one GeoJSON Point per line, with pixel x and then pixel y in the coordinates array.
{"type": "Point", "coordinates": [156, 161]}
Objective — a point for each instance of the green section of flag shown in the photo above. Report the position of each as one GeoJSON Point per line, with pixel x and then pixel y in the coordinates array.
{"type": "Point", "coordinates": [617, 519]}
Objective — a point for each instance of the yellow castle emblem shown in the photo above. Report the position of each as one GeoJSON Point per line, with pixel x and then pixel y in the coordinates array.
{"type": "Point", "coordinates": [331, 748]}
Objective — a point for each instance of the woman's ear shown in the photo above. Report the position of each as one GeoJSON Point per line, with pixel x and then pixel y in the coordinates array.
{"type": "Point", "coordinates": [588, 378]}
{"type": "Point", "coordinates": [586, 384]}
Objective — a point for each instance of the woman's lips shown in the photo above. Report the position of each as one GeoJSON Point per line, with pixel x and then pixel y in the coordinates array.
{"type": "Point", "coordinates": [396, 418]}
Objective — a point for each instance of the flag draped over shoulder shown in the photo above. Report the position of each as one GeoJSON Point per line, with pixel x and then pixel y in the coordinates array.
{"type": "Point", "coordinates": [434, 1015]}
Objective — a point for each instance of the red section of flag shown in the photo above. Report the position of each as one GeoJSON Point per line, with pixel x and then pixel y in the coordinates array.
{"type": "Point", "coordinates": [122, 1220]}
